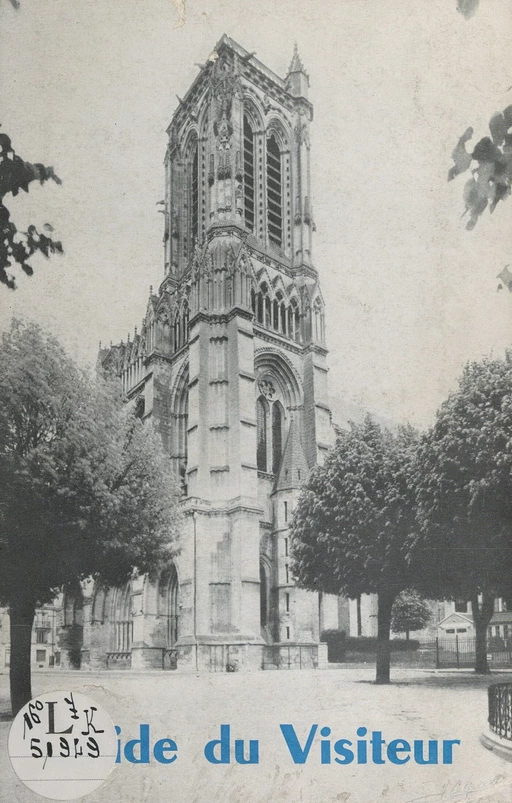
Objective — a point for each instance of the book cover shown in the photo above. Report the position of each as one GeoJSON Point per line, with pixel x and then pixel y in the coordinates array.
{"type": "Point", "coordinates": [242, 212]}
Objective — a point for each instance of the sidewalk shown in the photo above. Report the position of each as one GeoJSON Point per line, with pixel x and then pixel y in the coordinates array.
{"type": "Point", "coordinates": [190, 708]}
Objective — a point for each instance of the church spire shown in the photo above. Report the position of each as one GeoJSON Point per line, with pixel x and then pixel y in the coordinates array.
{"type": "Point", "coordinates": [293, 470]}
{"type": "Point", "coordinates": [296, 64]}
{"type": "Point", "coordinates": [297, 79]}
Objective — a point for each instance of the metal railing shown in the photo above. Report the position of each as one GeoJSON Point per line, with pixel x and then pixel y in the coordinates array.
{"type": "Point", "coordinates": [439, 653]}
{"type": "Point", "coordinates": [500, 709]}
{"type": "Point", "coordinates": [289, 656]}
{"type": "Point", "coordinates": [119, 660]}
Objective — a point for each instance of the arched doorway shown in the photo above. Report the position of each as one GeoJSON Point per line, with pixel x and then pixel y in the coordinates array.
{"type": "Point", "coordinates": [168, 611]}
{"type": "Point", "coordinates": [168, 603]}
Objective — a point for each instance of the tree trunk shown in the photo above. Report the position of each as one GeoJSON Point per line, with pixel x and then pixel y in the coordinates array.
{"type": "Point", "coordinates": [21, 620]}
{"type": "Point", "coordinates": [385, 603]}
{"type": "Point", "coordinates": [482, 615]}
{"type": "Point", "coordinates": [359, 617]}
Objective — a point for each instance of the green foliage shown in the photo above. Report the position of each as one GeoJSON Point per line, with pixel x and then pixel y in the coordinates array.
{"type": "Point", "coordinates": [16, 248]}
{"type": "Point", "coordinates": [464, 546]}
{"type": "Point", "coordinates": [352, 523]}
{"type": "Point", "coordinates": [465, 487]}
{"type": "Point", "coordinates": [490, 163]}
{"type": "Point", "coordinates": [368, 644]}
{"type": "Point", "coordinates": [338, 644]}
{"type": "Point", "coordinates": [86, 487]}
{"type": "Point", "coordinates": [410, 612]}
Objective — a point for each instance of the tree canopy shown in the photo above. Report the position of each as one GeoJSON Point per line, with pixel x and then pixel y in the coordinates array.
{"type": "Point", "coordinates": [410, 612]}
{"type": "Point", "coordinates": [490, 163]}
{"type": "Point", "coordinates": [464, 548]}
{"type": "Point", "coordinates": [86, 487]}
{"type": "Point", "coordinates": [353, 521]}
{"type": "Point", "coordinates": [17, 247]}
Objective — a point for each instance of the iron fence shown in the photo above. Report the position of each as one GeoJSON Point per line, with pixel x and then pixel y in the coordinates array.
{"type": "Point", "coordinates": [500, 709]}
{"type": "Point", "coordinates": [441, 653]}
{"type": "Point", "coordinates": [460, 653]}
{"type": "Point", "coordinates": [119, 660]}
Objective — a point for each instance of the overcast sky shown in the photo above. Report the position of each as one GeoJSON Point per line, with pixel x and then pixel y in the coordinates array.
{"type": "Point", "coordinates": [89, 86]}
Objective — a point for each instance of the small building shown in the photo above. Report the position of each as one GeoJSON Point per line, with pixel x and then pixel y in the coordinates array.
{"type": "Point", "coordinates": [459, 625]}
{"type": "Point", "coordinates": [459, 622]}
{"type": "Point", "coordinates": [45, 649]}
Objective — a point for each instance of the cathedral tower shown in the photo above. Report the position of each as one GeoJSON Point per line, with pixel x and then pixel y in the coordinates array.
{"type": "Point", "coordinates": [230, 363]}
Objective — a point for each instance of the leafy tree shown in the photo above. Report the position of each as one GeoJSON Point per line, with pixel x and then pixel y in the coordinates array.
{"type": "Point", "coordinates": [410, 612]}
{"type": "Point", "coordinates": [353, 520]}
{"type": "Point", "coordinates": [16, 248]}
{"type": "Point", "coordinates": [491, 166]}
{"type": "Point", "coordinates": [464, 548]}
{"type": "Point", "coordinates": [86, 487]}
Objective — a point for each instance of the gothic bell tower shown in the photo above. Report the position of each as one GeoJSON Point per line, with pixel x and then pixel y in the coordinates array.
{"type": "Point", "coordinates": [231, 361]}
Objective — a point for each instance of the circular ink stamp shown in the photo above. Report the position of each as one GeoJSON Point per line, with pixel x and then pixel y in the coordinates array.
{"type": "Point", "coordinates": [62, 745]}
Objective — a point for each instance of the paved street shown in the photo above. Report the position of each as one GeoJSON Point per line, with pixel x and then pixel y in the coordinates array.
{"type": "Point", "coordinates": [189, 709]}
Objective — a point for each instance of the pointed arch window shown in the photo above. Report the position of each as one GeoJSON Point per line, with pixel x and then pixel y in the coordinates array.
{"type": "Point", "coordinates": [184, 324]}
{"type": "Point", "coordinates": [264, 596]}
{"type": "Point", "coordinates": [178, 436]}
{"type": "Point", "coordinates": [274, 192]}
{"type": "Point", "coordinates": [270, 421]}
{"type": "Point", "coordinates": [268, 312]}
{"type": "Point", "coordinates": [168, 590]}
{"type": "Point", "coordinates": [259, 307]}
{"type": "Point", "coordinates": [263, 306]}
{"type": "Point", "coordinates": [277, 435]}
{"type": "Point", "coordinates": [248, 175]}
{"type": "Point", "coordinates": [262, 410]}
{"type": "Point", "coordinates": [194, 194]}
{"type": "Point", "coordinates": [275, 315]}
{"type": "Point", "coordinates": [318, 322]}
{"type": "Point", "coordinates": [293, 320]}
{"type": "Point", "coordinates": [280, 313]}
{"type": "Point", "coordinates": [123, 622]}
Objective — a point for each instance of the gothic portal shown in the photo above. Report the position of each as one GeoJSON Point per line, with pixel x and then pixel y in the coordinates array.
{"type": "Point", "coordinates": [230, 364]}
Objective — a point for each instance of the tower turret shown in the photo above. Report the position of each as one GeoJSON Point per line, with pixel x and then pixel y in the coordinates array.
{"type": "Point", "coordinates": [297, 79]}
{"type": "Point", "coordinates": [230, 362]}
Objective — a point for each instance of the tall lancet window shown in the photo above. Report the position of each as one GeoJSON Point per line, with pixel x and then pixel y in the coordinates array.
{"type": "Point", "coordinates": [261, 421]}
{"type": "Point", "coordinates": [194, 194]}
{"type": "Point", "coordinates": [248, 175]}
{"type": "Point", "coordinates": [277, 435]}
{"type": "Point", "coordinates": [274, 192]}
{"type": "Point", "coordinates": [179, 429]}
{"type": "Point", "coordinates": [270, 420]}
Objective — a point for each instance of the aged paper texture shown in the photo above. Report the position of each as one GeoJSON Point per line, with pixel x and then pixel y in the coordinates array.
{"type": "Point", "coordinates": [307, 164]}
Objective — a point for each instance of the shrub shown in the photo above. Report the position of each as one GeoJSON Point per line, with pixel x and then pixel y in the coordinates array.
{"type": "Point", "coordinates": [338, 643]}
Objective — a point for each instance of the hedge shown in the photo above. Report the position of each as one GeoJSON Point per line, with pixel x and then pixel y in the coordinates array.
{"type": "Point", "coordinates": [338, 643]}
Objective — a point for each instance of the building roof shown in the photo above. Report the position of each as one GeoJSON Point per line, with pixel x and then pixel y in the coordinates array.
{"type": "Point", "coordinates": [452, 617]}
{"type": "Point", "coordinates": [293, 470]}
{"type": "Point", "coordinates": [253, 68]}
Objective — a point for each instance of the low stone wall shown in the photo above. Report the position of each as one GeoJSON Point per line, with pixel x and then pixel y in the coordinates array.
{"type": "Point", "coordinates": [288, 655]}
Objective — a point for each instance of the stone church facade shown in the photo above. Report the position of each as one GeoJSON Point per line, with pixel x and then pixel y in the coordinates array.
{"type": "Point", "coordinates": [230, 365]}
